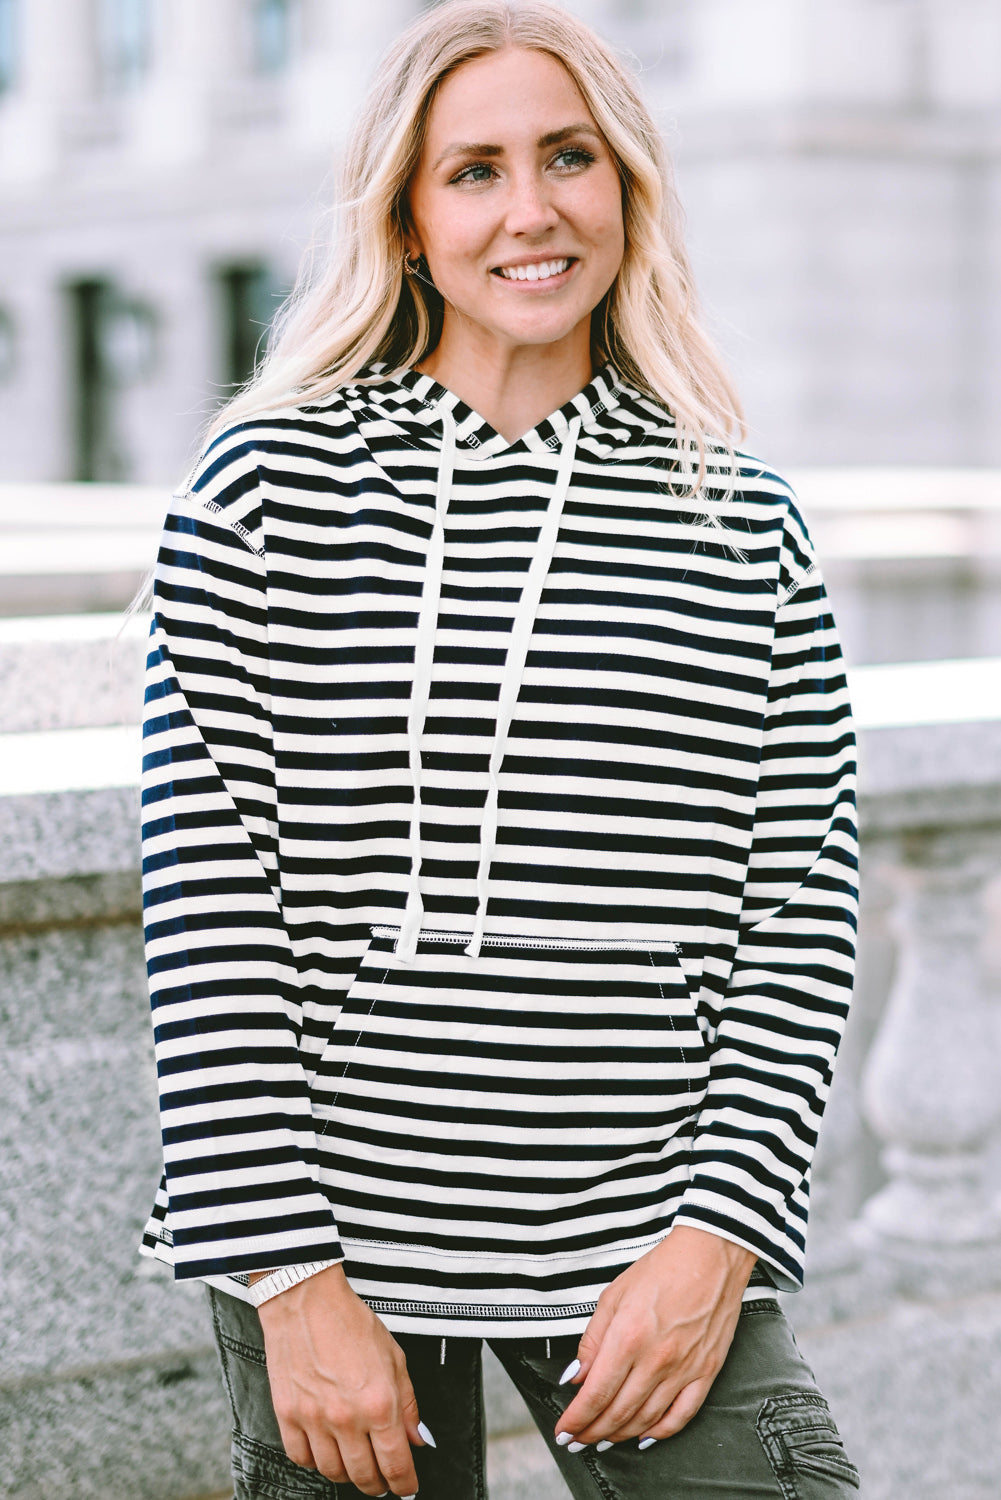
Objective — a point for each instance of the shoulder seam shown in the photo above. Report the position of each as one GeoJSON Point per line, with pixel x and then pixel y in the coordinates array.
{"type": "Point", "coordinates": [236, 527]}
{"type": "Point", "coordinates": [795, 586]}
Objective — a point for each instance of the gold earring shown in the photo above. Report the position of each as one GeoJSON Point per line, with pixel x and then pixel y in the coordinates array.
{"type": "Point", "coordinates": [411, 269]}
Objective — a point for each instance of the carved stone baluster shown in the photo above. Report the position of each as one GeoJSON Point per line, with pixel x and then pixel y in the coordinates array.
{"type": "Point", "coordinates": [844, 1170]}
{"type": "Point", "coordinates": [932, 1084]}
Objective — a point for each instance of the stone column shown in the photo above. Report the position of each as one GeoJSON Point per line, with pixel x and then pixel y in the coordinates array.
{"type": "Point", "coordinates": [930, 1086]}
{"type": "Point", "coordinates": [197, 53]}
{"type": "Point", "coordinates": [55, 74]}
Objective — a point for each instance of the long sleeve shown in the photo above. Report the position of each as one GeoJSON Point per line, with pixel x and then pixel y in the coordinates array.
{"type": "Point", "coordinates": [238, 1136]}
{"type": "Point", "coordinates": [776, 1019]}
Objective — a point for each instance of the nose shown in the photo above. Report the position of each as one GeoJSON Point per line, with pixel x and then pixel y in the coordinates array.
{"type": "Point", "coordinates": [530, 209]}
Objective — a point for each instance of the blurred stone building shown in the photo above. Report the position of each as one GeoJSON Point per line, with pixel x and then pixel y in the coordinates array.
{"type": "Point", "coordinates": [162, 163]}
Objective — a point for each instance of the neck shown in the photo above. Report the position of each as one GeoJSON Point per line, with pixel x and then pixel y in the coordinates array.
{"type": "Point", "coordinates": [515, 391]}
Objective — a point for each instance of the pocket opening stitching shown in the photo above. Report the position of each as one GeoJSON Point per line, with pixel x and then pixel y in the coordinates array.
{"type": "Point", "coordinates": [348, 1059]}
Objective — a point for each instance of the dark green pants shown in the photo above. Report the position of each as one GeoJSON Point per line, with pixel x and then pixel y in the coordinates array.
{"type": "Point", "coordinates": [765, 1429]}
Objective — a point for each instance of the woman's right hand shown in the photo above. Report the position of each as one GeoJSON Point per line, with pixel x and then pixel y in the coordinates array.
{"type": "Point", "coordinates": [340, 1387]}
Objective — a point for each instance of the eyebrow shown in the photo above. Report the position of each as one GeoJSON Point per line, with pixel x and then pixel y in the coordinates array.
{"type": "Point", "coordinates": [553, 138]}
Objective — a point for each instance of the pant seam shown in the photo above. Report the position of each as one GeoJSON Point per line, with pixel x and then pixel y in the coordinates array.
{"type": "Point", "coordinates": [222, 1351]}
{"type": "Point", "coordinates": [547, 1397]}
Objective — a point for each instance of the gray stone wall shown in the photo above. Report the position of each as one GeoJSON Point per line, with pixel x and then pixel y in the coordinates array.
{"type": "Point", "coordinates": [108, 1386]}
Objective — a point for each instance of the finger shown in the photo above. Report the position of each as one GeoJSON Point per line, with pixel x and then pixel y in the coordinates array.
{"type": "Point", "coordinates": [327, 1458]}
{"type": "Point", "coordinates": [682, 1409]}
{"type": "Point", "coordinates": [634, 1419]}
{"type": "Point", "coordinates": [417, 1433]}
{"type": "Point", "coordinates": [632, 1412]}
{"type": "Point", "coordinates": [594, 1334]}
{"type": "Point", "coordinates": [296, 1445]}
{"type": "Point", "coordinates": [598, 1392]}
{"type": "Point", "coordinates": [363, 1469]}
{"type": "Point", "coordinates": [394, 1460]}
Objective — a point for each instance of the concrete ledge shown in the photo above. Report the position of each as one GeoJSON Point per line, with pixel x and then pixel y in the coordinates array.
{"type": "Point", "coordinates": [58, 835]}
{"type": "Point", "coordinates": [70, 547]}
{"type": "Point", "coordinates": [71, 671]}
{"type": "Point", "coordinates": [930, 751]}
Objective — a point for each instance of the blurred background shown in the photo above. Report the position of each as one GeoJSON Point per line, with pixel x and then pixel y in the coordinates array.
{"type": "Point", "coordinates": [161, 162]}
{"type": "Point", "coordinates": [163, 165]}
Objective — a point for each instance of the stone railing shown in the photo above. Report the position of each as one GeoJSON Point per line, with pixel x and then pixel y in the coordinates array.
{"type": "Point", "coordinates": [908, 1178]}
{"type": "Point", "coordinates": [108, 1385]}
{"type": "Point", "coordinates": [912, 556]}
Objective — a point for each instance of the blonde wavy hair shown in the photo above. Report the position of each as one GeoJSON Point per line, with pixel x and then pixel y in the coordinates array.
{"type": "Point", "coordinates": [354, 305]}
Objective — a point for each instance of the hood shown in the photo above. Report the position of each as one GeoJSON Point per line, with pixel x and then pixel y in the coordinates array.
{"type": "Point", "coordinates": [417, 406]}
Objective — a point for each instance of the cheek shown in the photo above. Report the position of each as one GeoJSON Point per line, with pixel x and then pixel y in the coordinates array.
{"type": "Point", "coordinates": [614, 227]}
{"type": "Point", "coordinates": [450, 240]}
{"type": "Point", "coordinates": [600, 217]}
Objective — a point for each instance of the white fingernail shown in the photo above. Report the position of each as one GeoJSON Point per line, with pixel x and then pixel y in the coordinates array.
{"type": "Point", "coordinates": [426, 1435]}
{"type": "Point", "coordinates": [646, 1443]}
{"type": "Point", "coordinates": [604, 1445]}
{"type": "Point", "coordinates": [572, 1369]}
{"type": "Point", "coordinates": [563, 1438]}
{"type": "Point", "coordinates": [576, 1447]}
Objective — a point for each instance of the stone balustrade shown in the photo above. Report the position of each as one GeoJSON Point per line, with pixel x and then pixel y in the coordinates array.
{"type": "Point", "coordinates": [107, 1382]}
{"type": "Point", "coordinates": [912, 556]}
{"type": "Point", "coordinates": [907, 1186]}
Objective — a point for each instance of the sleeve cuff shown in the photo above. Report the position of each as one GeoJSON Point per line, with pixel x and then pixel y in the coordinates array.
{"type": "Point", "coordinates": [283, 1279]}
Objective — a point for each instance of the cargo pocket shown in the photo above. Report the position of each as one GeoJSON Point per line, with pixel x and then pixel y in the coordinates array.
{"type": "Point", "coordinates": [262, 1473]}
{"type": "Point", "coordinates": [804, 1448]}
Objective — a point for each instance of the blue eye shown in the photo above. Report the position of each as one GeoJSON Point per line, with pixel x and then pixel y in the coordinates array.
{"type": "Point", "coordinates": [574, 156]}
{"type": "Point", "coordinates": [477, 171]}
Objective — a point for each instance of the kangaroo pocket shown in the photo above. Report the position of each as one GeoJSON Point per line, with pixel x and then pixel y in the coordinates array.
{"type": "Point", "coordinates": [541, 1094]}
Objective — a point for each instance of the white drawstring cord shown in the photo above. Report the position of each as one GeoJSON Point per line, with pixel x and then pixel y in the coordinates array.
{"type": "Point", "coordinates": [410, 926]}
{"type": "Point", "coordinates": [514, 670]}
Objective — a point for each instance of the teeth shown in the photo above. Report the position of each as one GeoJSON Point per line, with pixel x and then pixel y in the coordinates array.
{"type": "Point", "coordinates": [541, 272]}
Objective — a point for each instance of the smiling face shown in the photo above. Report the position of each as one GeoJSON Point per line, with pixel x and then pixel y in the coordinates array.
{"type": "Point", "coordinates": [516, 203]}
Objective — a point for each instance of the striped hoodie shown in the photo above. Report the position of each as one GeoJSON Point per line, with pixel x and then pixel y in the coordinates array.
{"type": "Point", "coordinates": [499, 855]}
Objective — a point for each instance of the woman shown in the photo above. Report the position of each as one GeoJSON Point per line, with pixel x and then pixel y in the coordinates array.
{"type": "Point", "coordinates": [499, 827]}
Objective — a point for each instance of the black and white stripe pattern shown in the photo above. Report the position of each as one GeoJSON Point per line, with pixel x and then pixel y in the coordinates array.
{"type": "Point", "coordinates": [647, 1034]}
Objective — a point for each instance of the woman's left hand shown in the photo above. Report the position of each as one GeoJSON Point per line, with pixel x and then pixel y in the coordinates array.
{"type": "Point", "coordinates": [658, 1339]}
